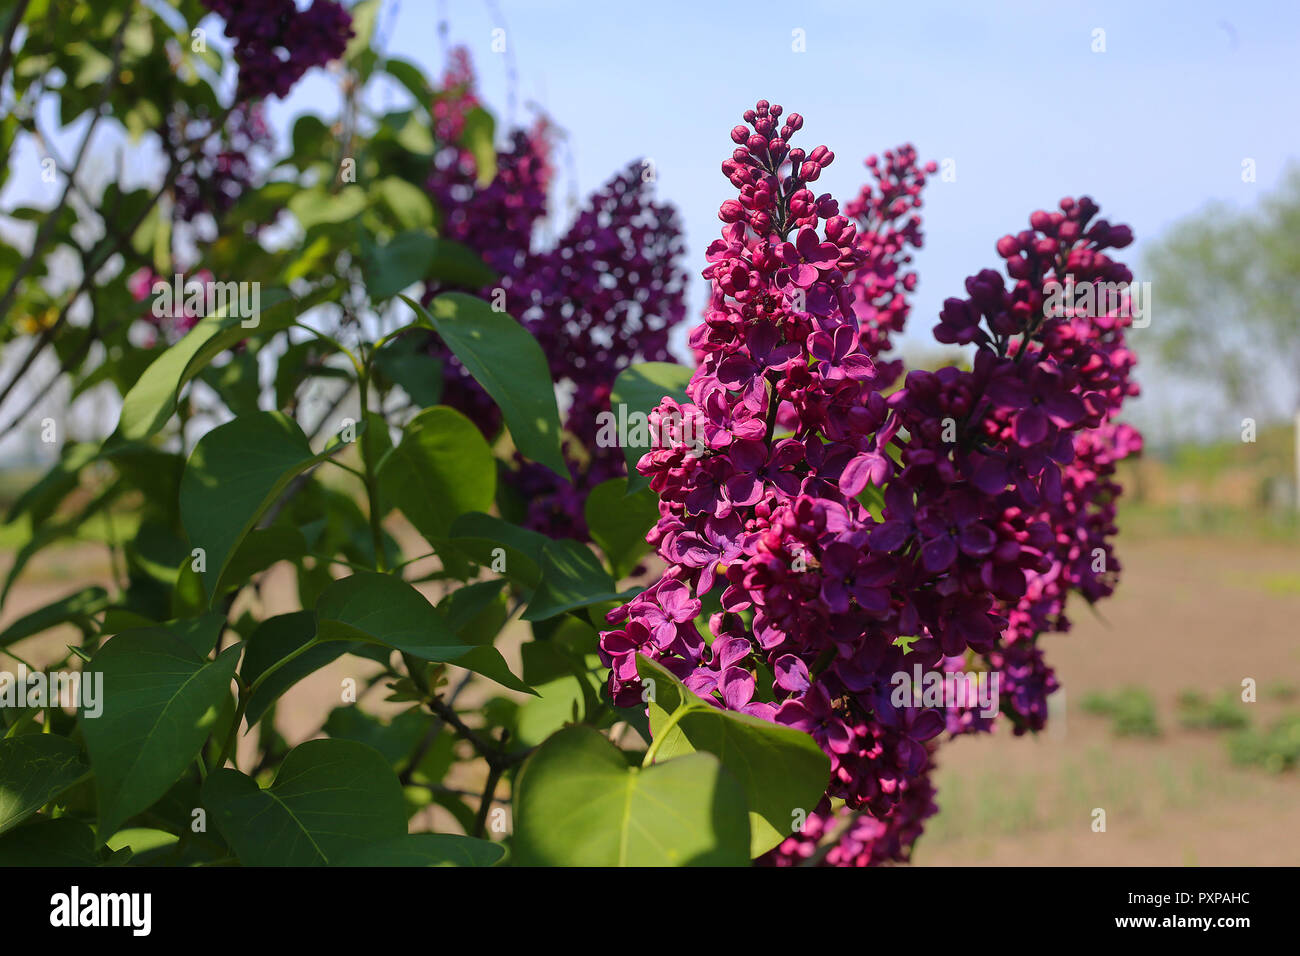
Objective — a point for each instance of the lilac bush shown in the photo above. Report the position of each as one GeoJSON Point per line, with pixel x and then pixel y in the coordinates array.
{"type": "Point", "coordinates": [347, 461]}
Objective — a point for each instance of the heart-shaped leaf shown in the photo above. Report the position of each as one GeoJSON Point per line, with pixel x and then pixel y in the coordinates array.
{"type": "Point", "coordinates": [578, 803]}
{"type": "Point", "coordinates": [331, 798]}
{"type": "Point", "coordinates": [441, 469]}
{"type": "Point", "coordinates": [782, 770]}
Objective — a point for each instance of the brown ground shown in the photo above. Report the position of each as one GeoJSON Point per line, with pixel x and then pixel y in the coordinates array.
{"type": "Point", "coordinates": [1190, 614]}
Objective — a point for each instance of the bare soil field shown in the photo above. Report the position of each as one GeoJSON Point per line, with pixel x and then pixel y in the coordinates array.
{"type": "Point", "coordinates": [1189, 615]}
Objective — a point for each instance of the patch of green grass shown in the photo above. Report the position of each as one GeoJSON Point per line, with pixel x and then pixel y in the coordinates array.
{"type": "Point", "coordinates": [1143, 520]}
{"type": "Point", "coordinates": [1283, 691]}
{"type": "Point", "coordinates": [1276, 749]}
{"type": "Point", "coordinates": [1132, 711]}
{"type": "Point", "coordinates": [1282, 585]}
{"type": "Point", "coordinates": [1224, 712]}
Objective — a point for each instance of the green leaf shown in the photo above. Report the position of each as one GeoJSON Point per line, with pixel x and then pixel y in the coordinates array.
{"type": "Point", "coordinates": [152, 400]}
{"type": "Point", "coordinates": [639, 389]}
{"type": "Point", "coordinates": [441, 469]}
{"type": "Point", "coordinates": [331, 798]}
{"type": "Point", "coordinates": [396, 739]}
{"type": "Point", "coordinates": [234, 473]}
{"type": "Point", "coordinates": [565, 693]}
{"type": "Point", "coordinates": [263, 547]}
{"type": "Point", "coordinates": [76, 608]}
{"type": "Point", "coordinates": [411, 77]}
{"type": "Point", "coordinates": [301, 361]}
{"type": "Point", "coordinates": [383, 609]}
{"type": "Point", "coordinates": [34, 769]}
{"type": "Point", "coordinates": [160, 702]}
{"type": "Point", "coordinates": [410, 130]}
{"type": "Point", "coordinates": [272, 641]}
{"type": "Point", "coordinates": [507, 361]}
{"type": "Point", "coordinates": [478, 535]}
{"type": "Point", "coordinates": [572, 577]}
{"type": "Point", "coordinates": [418, 255]}
{"type": "Point", "coordinates": [476, 612]}
{"type": "Point", "coordinates": [429, 849]}
{"type": "Point", "coordinates": [458, 265]}
{"type": "Point", "coordinates": [397, 264]}
{"type": "Point", "coordinates": [310, 137]}
{"type": "Point", "coordinates": [578, 803]}
{"type": "Point", "coordinates": [201, 632]}
{"type": "Point", "coordinates": [59, 842]}
{"type": "Point", "coordinates": [782, 770]}
{"type": "Point", "coordinates": [560, 702]}
{"type": "Point", "coordinates": [402, 362]}
{"type": "Point", "coordinates": [236, 382]}
{"type": "Point", "coordinates": [619, 523]}
{"type": "Point", "coordinates": [140, 840]}
{"type": "Point", "coordinates": [365, 15]}
{"type": "Point", "coordinates": [314, 207]}
{"type": "Point", "coordinates": [478, 136]}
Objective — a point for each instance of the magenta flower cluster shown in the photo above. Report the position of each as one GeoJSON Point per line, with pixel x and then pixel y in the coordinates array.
{"type": "Point", "coordinates": [276, 43]}
{"type": "Point", "coordinates": [840, 535]}
{"type": "Point", "coordinates": [601, 297]}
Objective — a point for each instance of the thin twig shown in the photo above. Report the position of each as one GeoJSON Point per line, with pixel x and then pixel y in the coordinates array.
{"type": "Point", "coordinates": [7, 51]}
{"type": "Point", "coordinates": [51, 220]}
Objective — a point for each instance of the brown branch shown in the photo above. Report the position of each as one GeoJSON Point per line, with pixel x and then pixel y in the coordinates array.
{"type": "Point", "coordinates": [7, 51]}
{"type": "Point", "coordinates": [51, 220]}
{"type": "Point", "coordinates": [499, 760]}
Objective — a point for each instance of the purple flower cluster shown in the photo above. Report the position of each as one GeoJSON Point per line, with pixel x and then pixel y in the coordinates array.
{"type": "Point", "coordinates": [497, 221]}
{"type": "Point", "coordinates": [276, 43]}
{"type": "Point", "coordinates": [214, 174]}
{"type": "Point", "coordinates": [890, 228]}
{"type": "Point", "coordinates": [856, 838]}
{"type": "Point", "coordinates": [1087, 355]}
{"type": "Point", "coordinates": [603, 296]}
{"type": "Point", "coordinates": [847, 536]}
{"type": "Point", "coordinates": [179, 319]}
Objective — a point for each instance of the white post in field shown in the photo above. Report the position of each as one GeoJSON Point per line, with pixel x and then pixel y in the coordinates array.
{"type": "Point", "coordinates": [1297, 459]}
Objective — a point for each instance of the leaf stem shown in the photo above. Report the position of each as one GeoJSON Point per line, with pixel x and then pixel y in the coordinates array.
{"type": "Point", "coordinates": [673, 721]}
{"type": "Point", "coordinates": [367, 459]}
{"type": "Point", "coordinates": [245, 695]}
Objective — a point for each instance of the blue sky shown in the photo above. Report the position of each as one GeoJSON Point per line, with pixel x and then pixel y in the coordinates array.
{"type": "Point", "coordinates": [1153, 128]}
{"type": "Point", "coordinates": [1013, 93]}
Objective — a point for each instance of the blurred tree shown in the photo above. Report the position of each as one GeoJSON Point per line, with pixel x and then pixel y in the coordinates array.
{"type": "Point", "coordinates": [1228, 286]}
